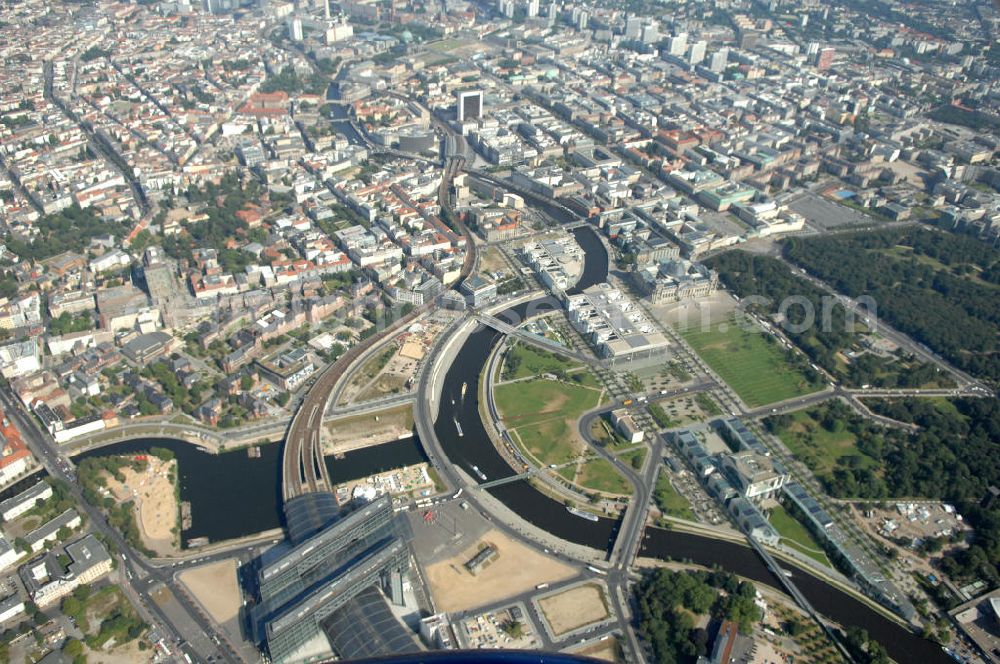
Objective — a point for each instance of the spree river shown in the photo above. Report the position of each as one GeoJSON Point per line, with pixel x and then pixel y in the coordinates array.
{"type": "Point", "coordinates": [233, 495]}
{"type": "Point", "coordinates": [474, 448]}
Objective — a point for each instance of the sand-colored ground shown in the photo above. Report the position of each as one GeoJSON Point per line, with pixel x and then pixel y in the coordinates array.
{"type": "Point", "coordinates": [390, 369]}
{"type": "Point", "coordinates": [608, 650]}
{"type": "Point", "coordinates": [684, 410]}
{"type": "Point", "coordinates": [156, 505]}
{"type": "Point", "coordinates": [574, 608]}
{"type": "Point", "coordinates": [492, 260]}
{"type": "Point", "coordinates": [125, 654]}
{"type": "Point", "coordinates": [516, 569]}
{"type": "Point", "coordinates": [705, 312]}
{"type": "Point", "coordinates": [215, 587]}
{"type": "Point", "coordinates": [348, 433]}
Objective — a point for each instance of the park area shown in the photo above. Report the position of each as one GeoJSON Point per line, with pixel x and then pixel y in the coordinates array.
{"type": "Point", "coordinates": [796, 536]}
{"type": "Point", "coordinates": [542, 414]}
{"type": "Point", "coordinates": [597, 474]}
{"type": "Point", "coordinates": [669, 502]}
{"type": "Point", "coordinates": [523, 361]}
{"type": "Point", "coordinates": [574, 608]}
{"type": "Point", "coordinates": [109, 623]}
{"type": "Point", "coordinates": [154, 500]}
{"type": "Point", "coordinates": [753, 364]}
{"type": "Point", "coordinates": [822, 443]}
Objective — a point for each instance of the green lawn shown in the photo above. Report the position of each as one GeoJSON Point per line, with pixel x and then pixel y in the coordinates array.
{"type": "Point", "coordinates": [969, 271]}
{"type": "Point", "coordinates": [539, 400]}
{"type": "Point", "coordinates": [795, 535]}
{"type": "Point", "coordinates": [523, 361]}
{"type": "Point", "coordinates": [446, 45]}
{"type": "Point", "coordinates": [542, 414]}
{"type": "Point", "coordinates": [568, 472]}
{"type": "Point", "coordinates": [947, 408]}
{"type": "Point", "coordinates": [760, 371]}
{"type": "Point", "coordinates": [549, 442]}
{"type": "Point", "coordinates": [634, 457]}
{"type": "Point", "coordinates": [584, 377]}
{"type": "Point", "coordinates": [600, 475]}
{"type": "Point", "coordinates": [669, 501]}
{"type": "Point", "coordinates": [819, 448]}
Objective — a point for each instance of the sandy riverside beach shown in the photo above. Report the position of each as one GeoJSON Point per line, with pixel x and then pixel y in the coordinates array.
{"type": "Point", "coordinates": [155, 503]}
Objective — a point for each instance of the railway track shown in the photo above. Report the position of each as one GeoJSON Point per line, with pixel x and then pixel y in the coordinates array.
{"type": "Point", "coordinates": [303, 467]}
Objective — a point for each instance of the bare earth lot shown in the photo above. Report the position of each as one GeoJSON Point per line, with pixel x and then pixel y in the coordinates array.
{"type": "Point", "coordinates": [607, 650]}
{"type": "Point", "coordinates": [516, 569]}
{"type": "Point", "coordinates": [574, 608]}
{"type": "Point", "coordinates": [351, 433]}
{"type": "Point", "coordinates": [126, 654]}
{"type": "Point", "coordinates": [214, 586]}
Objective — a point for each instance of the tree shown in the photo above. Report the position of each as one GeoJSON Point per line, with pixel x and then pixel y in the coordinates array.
{"type": "Point", "coordinates": [667, 602]}
{"type": "Point", "coordinates": [73, 648]}
{"type": "Point", "coordinates": [82, 593]}
{"type": "Point", "coordinates": [699, 637]}
{"type": "Point", "coordinates": [161, 453]}
{"type": "Point", "coordinates": [71, 606]}
{"type": "Point", "coordinates": [795, 627]}
{"type": "Point", "coordinates": [66, 323]}
{"type": "Point", "coordinates": [37, 616]}
{"type": "Point", "coordinates": [513, 628]}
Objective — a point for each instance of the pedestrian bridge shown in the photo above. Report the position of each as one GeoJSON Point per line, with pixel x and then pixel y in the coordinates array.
{"type": "Point", "coordinates": [510, 479]}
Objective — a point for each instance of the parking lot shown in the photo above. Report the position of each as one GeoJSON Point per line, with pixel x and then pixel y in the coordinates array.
{"type": "Point", "coordinates": [827, 215]}
{"type": "Point", "coordinates": [704, 507]}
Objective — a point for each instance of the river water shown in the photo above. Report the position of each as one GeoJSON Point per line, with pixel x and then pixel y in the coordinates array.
{"type": "Point", "coordinates": [474, 447]}
{"type": "Point", "coordinates": [341, 119]}
{"type": "Point", "coordinates": [233, 495]}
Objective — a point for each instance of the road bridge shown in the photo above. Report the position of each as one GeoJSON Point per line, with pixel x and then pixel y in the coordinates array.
{"type": "Point", "coordinates": [538, 340]}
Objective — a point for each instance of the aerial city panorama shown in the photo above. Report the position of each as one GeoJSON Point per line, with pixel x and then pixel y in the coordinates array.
{"type": "Point", "coordinates": [636, 331]}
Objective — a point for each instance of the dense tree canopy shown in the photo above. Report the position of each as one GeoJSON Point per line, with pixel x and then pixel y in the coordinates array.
{"type": "Point", "coordinates": [223, 202]}
{"type": "Point", "coordinates": [667, 602]}
{"type": "Point", "coordinates": [938, 287]}
{"type": "Point", "coordinates": [67, 230]}
{"type": "Point", "coordinates": [955, 456]}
